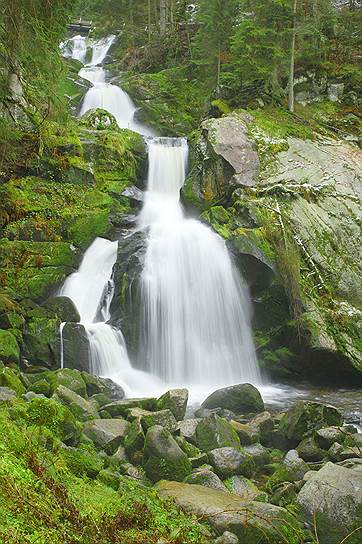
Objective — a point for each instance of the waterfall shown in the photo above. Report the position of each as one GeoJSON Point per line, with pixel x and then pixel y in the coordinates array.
{"type": "Point", "coordinates": [195, 308]}
{"type": "Point", "coordinates": [103, 94]}
{"type": "Point", "coordinates": [196, 315]}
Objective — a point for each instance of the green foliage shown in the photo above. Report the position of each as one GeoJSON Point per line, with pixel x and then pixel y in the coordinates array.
{"type": "Point", "coordinates": [47, 496]}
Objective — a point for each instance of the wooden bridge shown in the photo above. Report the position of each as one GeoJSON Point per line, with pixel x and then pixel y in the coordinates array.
{"type": "Point", "coordinates": [79, 25]}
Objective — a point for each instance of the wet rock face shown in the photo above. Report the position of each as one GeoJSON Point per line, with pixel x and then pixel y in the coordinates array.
{"type": "Point", "coordinates": [125, 307]}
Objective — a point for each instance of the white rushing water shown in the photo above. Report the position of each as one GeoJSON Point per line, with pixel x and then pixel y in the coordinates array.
{"type": "Point", "coordinates": [103, 94]}
{"type": "Point", "coordinates": [196, 319]}
{"type": "Point", "coordinates": [195, 309]}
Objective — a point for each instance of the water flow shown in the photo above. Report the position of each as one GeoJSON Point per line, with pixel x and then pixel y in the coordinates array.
{"type": "Point", "coordinates": [105, 95]}
{"type": "Point", "coordinates": [91, 289]}
{"type": "Point", "coordinates": [196, 317]}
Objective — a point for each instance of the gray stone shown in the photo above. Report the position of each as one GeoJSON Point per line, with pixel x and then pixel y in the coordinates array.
{"type": "Point", "coordinates": [75, 347]}
{"type": "Point", "coordinates": [309, 450]}
{"type": "Point", "coordinates": [259, 455]}
{"type": "Point", "coordinates": [207, 478]}
{"type": "Point", "coordinates": [228, 137]}
{"type": "Point", "coordinates": [328, 435]}
{"type": "Point", "coordinates": [228, 512]}
{"type": "Point", "coordinates": [245, 488]}
{"type": "Point", "coordinates": [6, 394]}
{"type": "Point", "coordinates": [80, 408]}
{"type": "Point", "coordinates": [227, 538]}
{"type": "Point", "coordinates": [305, 417]}
{"type": "Point", "coordinates": [295, 466]}
{"type": "Point", "coordinates": [64, 308]}
{"type": "Point", "coordinates": [335, 493]}
{"type": "Point", "coordinates": [106, 434]}
{"type": "Point", "coordinates": [163, 458]}
{"type": "Point", "coordinates": [120, 407]}
{"type": "Point", "coordinates": [237, 398]}
{"type": "Point", "coordinates": [229, 461]}
{"type": "Point", "coordinates": [335, 92]}
{"type": "Point", "coordinates": [187, 429]}
{"type": "Point", "coordinates": [176, 401]}
{"type": "Point", "coordinates": [165, 418]}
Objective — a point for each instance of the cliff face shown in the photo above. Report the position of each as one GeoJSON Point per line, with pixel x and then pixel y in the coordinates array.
{"type": "Point", "coordinates": [291, 213]}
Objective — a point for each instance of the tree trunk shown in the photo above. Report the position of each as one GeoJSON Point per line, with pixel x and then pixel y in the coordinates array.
{"type": "Point", "coordinates": [149, 13]}
{"type": "Point", "coordinates": [163, 17]}
{"type": "Point", "coordinates": [292, 59]}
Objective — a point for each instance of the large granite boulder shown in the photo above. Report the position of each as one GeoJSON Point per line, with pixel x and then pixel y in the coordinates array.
{"type": "Point", "coordinates": [230, 461]}
{"type": "Point", "coordinates": [237, 398]}
{"type": "Point", "coordinates": [176, 401]}
{"type": "Point", "coordinates": [207, 478]}
{"type": "Point", "coordinates": [106, 434]}
{"type": "Point", "coordinates": [333, 495]}
{"type": "Point", "coordinates": [224, 158]}
{"type": "Point", "coordinates": [251, 521]}
{"type": "Point", "coordinates": [82, 409]}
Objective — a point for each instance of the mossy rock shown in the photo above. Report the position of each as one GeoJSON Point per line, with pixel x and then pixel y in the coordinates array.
{"type": "Point", "coordinates": [163, 458]}
{"type": "Point", "coordinates": [304, 418]}
{"type": "Point", "coordinates": [98, 119]}
{"type": "Point", "coordinates": [82, 461]}
{"type": "Point", "coordinates": [41, 341]}
{"type": "Point", "coordinates": [73, 380]}
{"type": "Point", "coordinates": [215, 432]}
{"type": "Point", "coordinates": [41, 387]}
{"type": "Point", "coordinates": [64, 308]}
{"type": "Point", "coordinates": [9, 348]}
{"type": "Point", "coordinates": [10, 378]}
{"type": "Point", "coordinates": [57, 418]}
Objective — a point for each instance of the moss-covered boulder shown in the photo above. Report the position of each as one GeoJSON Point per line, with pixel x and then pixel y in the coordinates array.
{"type": "Point", "coordinates": [82, 461]}
{"type": "Point", "coordinates": [163, 458]}
{"type": "Point", "coordinates": [9, 348]}
{"type": "Point", "coordinates": [71, 379]}
{"type": "Point", "coordinates": [41, 341]}
{"type": "Point", "coordinates": [10, 378]}
{"type": "Point", "coordinates": [215, 432]}
{"type": "Point", "coordinates": [106, 434]}
{"type": "Point", "coordinates": [57, 418]}
{"type": "Point", "coordinates": [237, 398]}
{"type": "Point", "coordinates": [304, 418]}
{"type": "Point", "coordinates": [82, 409]}
{"type": "Point", "coordinates": [98, 119]}
{"type": "Point", "coordinates": [176, 401]}
{"type": "Point", "coordinates": [206, 478]}
{"type": "Point", "coordinates": [64, 308]}
{"type": "Point", "coordinates": [75, 343]}
{"type": "Point", "coordinates": [245, 488]}
{"type": "Point", "coordinates": [251, 521]}
{"type": "Point", "coordinates": [165, 418]}
{"type": "Point", "coordinates": [230, 461]}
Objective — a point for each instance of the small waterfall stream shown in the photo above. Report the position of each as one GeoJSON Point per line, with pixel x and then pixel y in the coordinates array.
{"type": "Point", "coordinates": [195, 310]}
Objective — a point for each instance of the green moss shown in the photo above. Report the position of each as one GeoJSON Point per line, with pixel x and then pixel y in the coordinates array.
{"type": "Point", "coordinates": [9, 348]}
{"type": "Point", "coordinates": [83, 461]}
{"type": "Point", "coordinates": [10, 378]}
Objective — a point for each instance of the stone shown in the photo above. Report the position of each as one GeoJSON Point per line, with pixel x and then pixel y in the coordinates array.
{"type": "Point", "coordinates": [199, 460]}
{"type": "Point", "coordinates": [335, 92]}
{"type": "Point", "coordinates": [106, 434]}
{"type": "Point", "coordinates": [41, 337]}
{"type": "Point", "coordinates": [285, 493]}
{"type": "Point", "coordinates": [250, 521]}
{"type": "Point", "coordinates": [227, 538]}
{"type": "Point", "coordinates": [221, 412]}
{"type": "Point", "coordinates": [214, 432]}
{"type": "Point", "coordinates": [127, 469]}
{"type": "Point", "coordinates": [6, 394]}
{"type": "Point", "coordinates": [163, 458]}
{"type": "Point", "coordinates": [240, 399]}
{"type": "Point", "coordinates": [259, 455]}
{"type": "Point", "coordinates": [64, 308]}
{"type": "Point", "coordinates": [295, 466]}
{"type": "Point", "coordinates": [99, 119]}
{"type": "Point", "coordinates": [119, 407]}
{"type": "Point", "coordinates": [326, 437]}
{"type": "Point", "coordinates": [309, 450]}
{"type": "Point", "coordinates": [119, 456]}
{"type": "Point", "coordinates": [305, 417]}
{"type": "Point", "coordinates": [263, 424]}
{"type": "Point", "coordinates": [72, 379]}
{"type": "Point", "coordinates": [9, 348]}
{"type": "Point", "coordinates": [165, 418]}
{"type": "Point", "coordinates": [29, 395]}
{"type": "Point", "coordinates": [135, 438]}
{"type": "Point", "coordinates": [176, 401]}
{"type": "Point", "coordinates": [207, 478]}
{"type": "Point", "coordinates": [247, 434]}
{"type": "Point", "coordinates": [82, 409]}
{"type": "Point", "coordinates": [187, 447]}
{"type": "Point", "coordinates": [133, 193]}
{"type": "Point", "coordinates": [40, 387]}
{"type": "Point", "coordinates": [75, 347]}
{"type": "Point", "coordinates": [229, 461]}
{"type": "Point", "coordinates": [187, 429]}
{"type": "Point", "coordinates": [334, 493]}
{"type": "Point", "coordinates": [10, 378]}
{"type": "Point", "coordinates": [335, 451]}
{"type": "Point", "coordinates": [246, 489]}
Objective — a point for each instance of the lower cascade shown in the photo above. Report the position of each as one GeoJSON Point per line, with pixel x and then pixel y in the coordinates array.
{"type": "Point", "coordinates": [195, 328]}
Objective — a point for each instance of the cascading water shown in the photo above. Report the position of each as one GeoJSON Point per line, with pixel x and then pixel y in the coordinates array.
{"type": "Point", "coordinates": [102, 94]}
{"type": "Point", "coordinates": [196, 323]}
{"type": "Point", "coordinates": [196, 313]}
